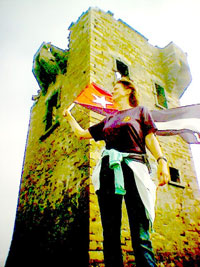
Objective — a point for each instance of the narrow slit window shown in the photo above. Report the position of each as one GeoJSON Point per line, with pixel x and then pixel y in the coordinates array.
{"type": "Point", "coordinates": [161, 99]}
{"type": "Point", "coordinates": [122, 69]}
{"type": "Point", "coordinates": [52, 105]}
{"type": "Point", "coordinates": [175, 175]}
{"type": "Point", "coordinates": [175, 178]}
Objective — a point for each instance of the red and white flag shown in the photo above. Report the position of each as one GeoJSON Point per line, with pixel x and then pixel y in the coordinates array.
{"type": "Point", "coordinates": [97, 99]}
{"type": "Point", "coordinates": [184, 121]}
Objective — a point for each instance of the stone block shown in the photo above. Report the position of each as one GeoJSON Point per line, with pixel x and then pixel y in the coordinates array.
{"type": "Point", "coordinates": [96, 256]}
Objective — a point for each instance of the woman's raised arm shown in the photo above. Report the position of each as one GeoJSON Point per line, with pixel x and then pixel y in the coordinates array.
{"type": "Point", "coordinates": [77, 129]}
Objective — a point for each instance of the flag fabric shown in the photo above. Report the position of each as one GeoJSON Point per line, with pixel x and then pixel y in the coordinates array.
{"type": "Point", "coordinates": [97, 99]}
{"type": "Point", "coordinates": [184, 121]}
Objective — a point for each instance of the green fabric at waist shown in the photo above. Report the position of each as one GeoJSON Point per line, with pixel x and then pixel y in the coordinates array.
{"type": "Point", "coordinates": [115, 159]}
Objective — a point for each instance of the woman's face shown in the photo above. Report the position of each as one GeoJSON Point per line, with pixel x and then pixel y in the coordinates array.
{"type": "Point", "coordinates": [119, 92]}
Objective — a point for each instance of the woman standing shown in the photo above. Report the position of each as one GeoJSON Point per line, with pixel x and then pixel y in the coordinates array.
{"type": "Point", "coordinates": [122, 173]}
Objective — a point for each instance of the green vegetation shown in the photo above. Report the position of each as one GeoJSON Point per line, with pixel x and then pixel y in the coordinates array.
{"type": "Point", "coordinates": [46, 70]}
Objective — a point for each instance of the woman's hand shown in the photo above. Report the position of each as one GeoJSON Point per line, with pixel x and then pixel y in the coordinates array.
{"type": "Point", "coordinates": [67, 111]}
{"type": "Point", "coordinates": [162, 170]}
{"type": "Point", "coordinates": [163, 173]}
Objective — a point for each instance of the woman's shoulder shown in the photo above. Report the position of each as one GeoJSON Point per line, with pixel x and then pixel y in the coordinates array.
{"type": "Point", "coordinates": [143, 108]}
{"type": "Point", "coordinates": [140, 108]}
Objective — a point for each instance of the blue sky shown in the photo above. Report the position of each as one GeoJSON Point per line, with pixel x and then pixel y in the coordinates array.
{"type": "Point", "coordinates": [25, 24]}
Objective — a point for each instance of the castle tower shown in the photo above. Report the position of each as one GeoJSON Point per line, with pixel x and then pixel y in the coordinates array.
{"type": "Point", "coordinates": [58, 219]}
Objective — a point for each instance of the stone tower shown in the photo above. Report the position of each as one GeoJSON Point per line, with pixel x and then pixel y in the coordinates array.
{"type": "Point", "coordinates": [57, 221]}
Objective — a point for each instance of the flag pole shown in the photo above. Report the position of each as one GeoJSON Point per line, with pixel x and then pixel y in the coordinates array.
{"type": "Point", "coordinates": [71, 107]}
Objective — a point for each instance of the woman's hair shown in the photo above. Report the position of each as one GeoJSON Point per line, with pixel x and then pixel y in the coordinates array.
{"type": "Point", "coordinates": [133, 97]}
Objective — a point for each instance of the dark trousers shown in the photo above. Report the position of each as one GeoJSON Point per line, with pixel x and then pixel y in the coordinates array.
{"type": "Point", "coordinates": [111, 212]}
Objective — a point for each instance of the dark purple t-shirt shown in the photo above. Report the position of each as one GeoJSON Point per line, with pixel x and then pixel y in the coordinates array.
{"type": "Point", "coordinates": [119, 130]}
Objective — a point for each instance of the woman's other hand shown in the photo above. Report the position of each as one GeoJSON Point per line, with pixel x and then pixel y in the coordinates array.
{"type": "Point", "coordinates": [163, 173]}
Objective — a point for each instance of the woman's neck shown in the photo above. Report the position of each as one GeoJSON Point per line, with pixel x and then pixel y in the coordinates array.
{"type": "Point", "coordinates": [122, 105]}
